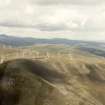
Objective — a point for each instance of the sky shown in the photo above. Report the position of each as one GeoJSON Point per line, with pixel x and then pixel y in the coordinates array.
{"type": "Point", "coordinates": [72, 19]}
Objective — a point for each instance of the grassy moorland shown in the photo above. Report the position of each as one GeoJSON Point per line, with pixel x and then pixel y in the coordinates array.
{"type": "Point", "coordinates": [52, 75]}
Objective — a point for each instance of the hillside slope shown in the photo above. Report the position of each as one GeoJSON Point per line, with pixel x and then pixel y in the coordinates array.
{"type": "Point", "coordinates": [24, 82]}
{"type": "Point", "coordinates": [64, 81]}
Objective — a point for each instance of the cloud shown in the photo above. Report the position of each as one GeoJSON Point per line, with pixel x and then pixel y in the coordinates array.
{"type": "Point", "coordinates": [4, 3]}
{"type": "Point", "coordinates": [72, 16]}
{"type": "Point", "coordinates": [68, 2]}
{"type": "Point", "coordinates": [52, 27]}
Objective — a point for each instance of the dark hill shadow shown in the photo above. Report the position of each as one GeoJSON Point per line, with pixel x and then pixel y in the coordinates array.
{"type": "Point", "coordinates": [22, 82]}
{"type": "Point", "coordinates": [36, 67]}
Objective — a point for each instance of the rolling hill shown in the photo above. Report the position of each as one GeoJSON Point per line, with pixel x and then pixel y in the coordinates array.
{"type": "Point", "coordinates": [96, 48]}
{"type": "Point", "coordinates": [66, 72]}
{"type": "Point", "coordinates": [28, 82]}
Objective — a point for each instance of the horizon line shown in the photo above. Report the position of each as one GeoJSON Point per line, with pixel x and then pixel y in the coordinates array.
{"type": "Point", "coordinates": [52, 38]}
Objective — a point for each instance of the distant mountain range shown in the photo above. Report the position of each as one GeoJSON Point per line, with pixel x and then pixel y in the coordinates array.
{"type": "Point", "coordinates": [96, 48]}
{"type": "Point", "coordinates": [17, 41]}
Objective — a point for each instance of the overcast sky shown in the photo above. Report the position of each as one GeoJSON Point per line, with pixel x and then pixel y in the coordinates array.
{"type": "Point", "coordinates": [73, 19]}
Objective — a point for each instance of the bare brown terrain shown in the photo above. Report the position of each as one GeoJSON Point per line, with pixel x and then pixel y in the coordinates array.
{"type": "Point", "coordinates": [34, 77]}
